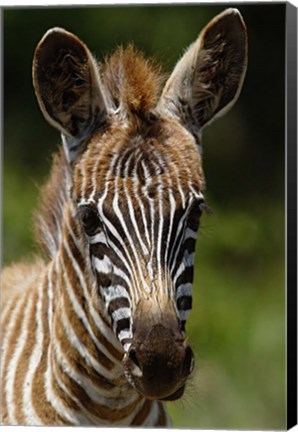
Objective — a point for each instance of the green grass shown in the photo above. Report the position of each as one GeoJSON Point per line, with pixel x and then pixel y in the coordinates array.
{"type": "Point", "coordinates": [20, 195]}
{"type": "Point", "coordinates": [237, 325]}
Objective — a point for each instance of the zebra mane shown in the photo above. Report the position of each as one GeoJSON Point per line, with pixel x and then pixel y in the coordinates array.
{"type": "Point", "coordinates": [131, 80]}
{"type": "Point", "coordinates": [48, 217]}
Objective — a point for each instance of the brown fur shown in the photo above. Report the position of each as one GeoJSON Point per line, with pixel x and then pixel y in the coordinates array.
{"type": "Point", "coordinates": [132, 80]}
{"type": "Point", "coordinates": [53, 196]}
{"type": "Point", "coordinates": [142, 414]}
{"type": "Point", "coordinates": [11, 347]}
{"type": "Point", "coordinates": [17, 278]}
{"type": "Point", "coordinates": [161, 421]}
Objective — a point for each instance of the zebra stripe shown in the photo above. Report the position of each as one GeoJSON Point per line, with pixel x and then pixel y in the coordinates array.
{"type": "Point", "coordinates": [131, 209]}
{"type": "Point", "coordinates": [96, 317]}
{"type": "Point", "coordinates": [31, 415]}
{"type": "Point", "coordinates": [57, 392]}
{"type": "Point", "coordinates": [13, 363]}
{"type": "Point", "coordinates": [136, 189]}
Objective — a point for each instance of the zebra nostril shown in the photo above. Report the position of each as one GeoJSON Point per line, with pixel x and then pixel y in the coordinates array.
{"type": "Point", "coordinates": [188, 363]}
{"type": "Point", "coordinates": [133, 357]}
{"type": "Point", "coordinates": [135, 365]}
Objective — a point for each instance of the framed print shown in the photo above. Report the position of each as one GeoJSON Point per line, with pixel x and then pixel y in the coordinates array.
{"type": "Point", "coordinates": [150, 216]}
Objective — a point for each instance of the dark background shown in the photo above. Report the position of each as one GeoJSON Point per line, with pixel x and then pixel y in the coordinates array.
{"type": "Point", "coordinates": [237, 326]}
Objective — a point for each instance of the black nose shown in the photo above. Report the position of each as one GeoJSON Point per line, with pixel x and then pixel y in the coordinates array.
{"type": "Point", "coordinates": [160, 364]}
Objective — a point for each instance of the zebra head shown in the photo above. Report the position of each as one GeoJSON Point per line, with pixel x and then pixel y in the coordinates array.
{"type": "Point", "coordinates": [137, 181]}
{"type": "Point", "coordinates": [141, 224]}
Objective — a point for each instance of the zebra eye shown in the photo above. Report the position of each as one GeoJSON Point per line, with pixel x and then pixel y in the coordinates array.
{"type": "Point", "coordinates": [90, 219]}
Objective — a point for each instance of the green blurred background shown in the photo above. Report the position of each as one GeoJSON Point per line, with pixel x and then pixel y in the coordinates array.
{"type": "Point", "coordinates": [237, 326]}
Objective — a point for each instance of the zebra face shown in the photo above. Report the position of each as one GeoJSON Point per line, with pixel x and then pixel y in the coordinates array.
{"type": "Point", "coordinates": [141, 228]}
{"type": "Point", "coordinates": [125, 269]}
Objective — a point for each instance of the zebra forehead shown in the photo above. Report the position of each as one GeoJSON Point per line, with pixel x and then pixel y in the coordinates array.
{"type": "Point", "coordinates": [129, 161]}
{"type": "Point", "coordinates": [144, 179]}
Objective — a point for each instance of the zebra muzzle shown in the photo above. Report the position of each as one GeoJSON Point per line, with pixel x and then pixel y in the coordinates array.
{"type": "Point", "coordinates": [158, 365]}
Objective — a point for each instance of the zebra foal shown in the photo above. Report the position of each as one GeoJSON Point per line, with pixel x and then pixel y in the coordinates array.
{"type": "Point", "coordinates": [95, 334]}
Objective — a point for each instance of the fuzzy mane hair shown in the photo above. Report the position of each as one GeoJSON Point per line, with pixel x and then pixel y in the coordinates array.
{"type": "Point", "coordinates": [131, 82]}
{"type": "Point", "coordinates": [48, 218]}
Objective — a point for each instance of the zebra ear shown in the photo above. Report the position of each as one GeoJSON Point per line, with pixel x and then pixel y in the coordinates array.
{"type": "Point", "coordinates": [68, 88]}
{"type": "Point", "coordinates": [207, 80]}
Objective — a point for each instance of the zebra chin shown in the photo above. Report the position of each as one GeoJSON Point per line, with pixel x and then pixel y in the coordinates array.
{"type": "Point", "coordinates": [153, 394]}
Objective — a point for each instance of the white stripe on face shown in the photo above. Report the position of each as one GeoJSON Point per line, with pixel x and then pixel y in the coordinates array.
{"type": "Point", "coordinates": [184, 290]}
{"type": "Point", "coordinates": [132, 211]}
{"type": "Point", "coordinates": [121, 313]}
